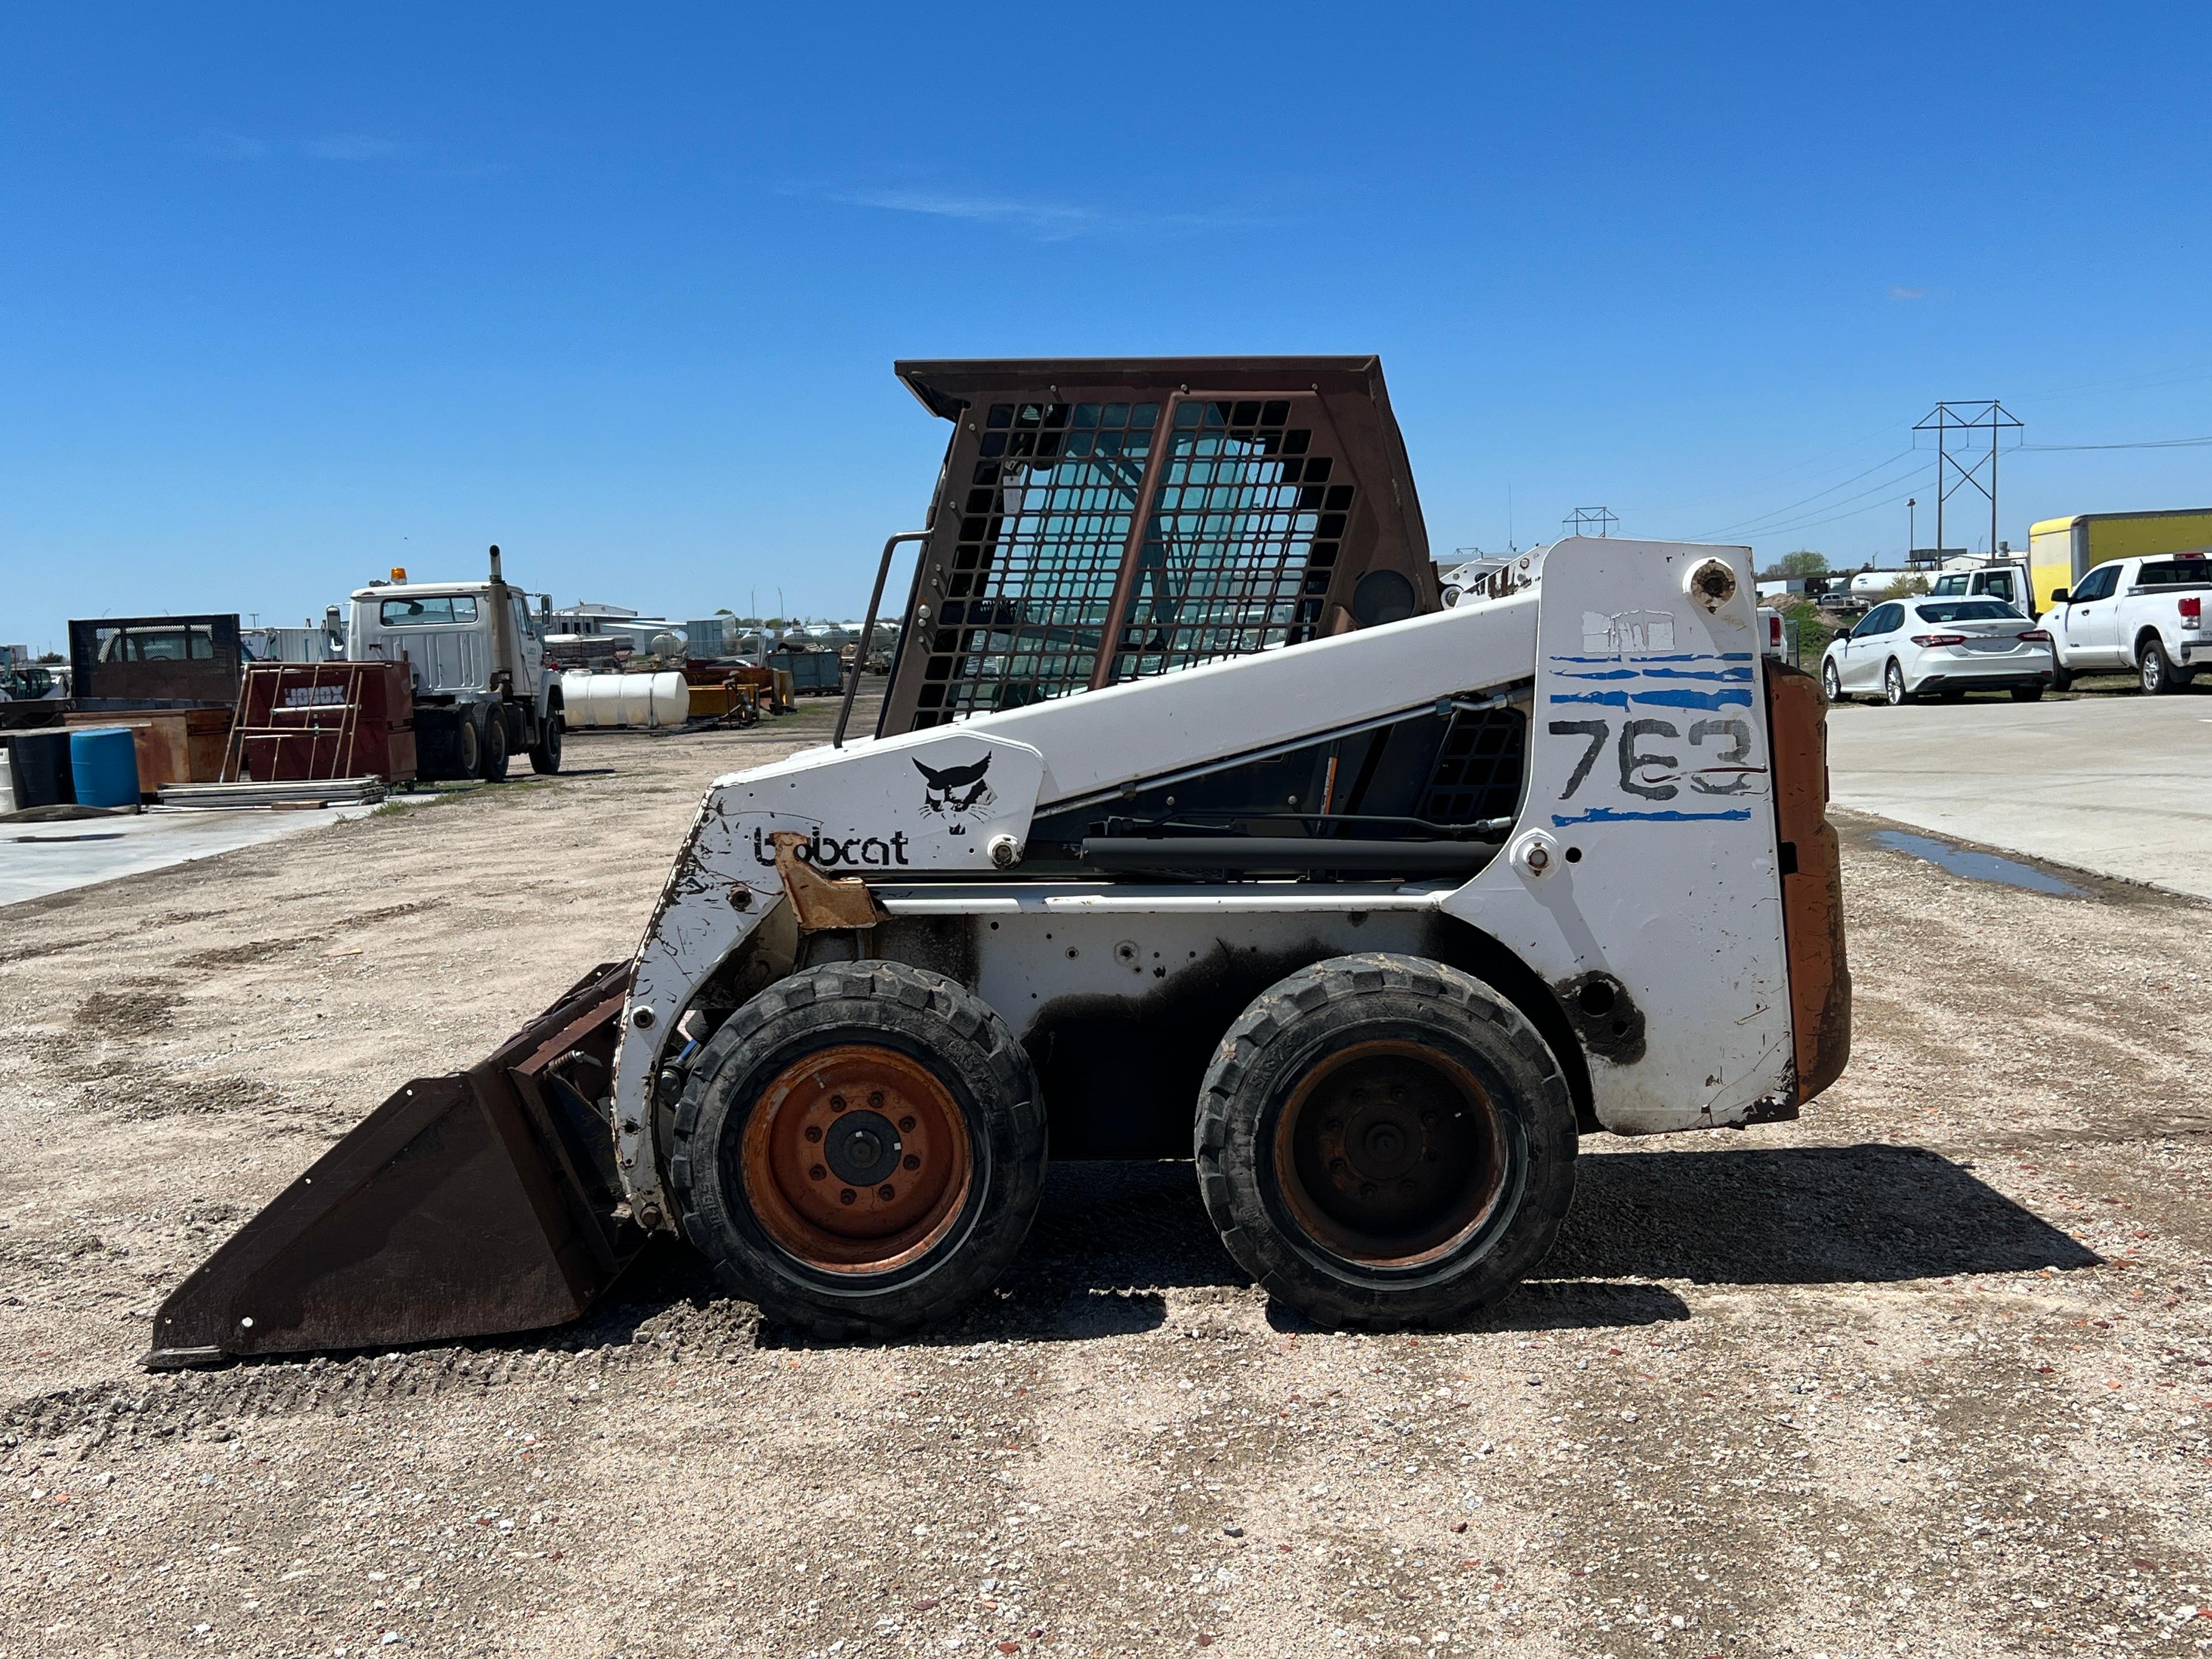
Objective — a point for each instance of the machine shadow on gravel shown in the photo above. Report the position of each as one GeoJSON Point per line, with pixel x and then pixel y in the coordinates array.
{"type": "Point", "coordinates": [1798, 1215]}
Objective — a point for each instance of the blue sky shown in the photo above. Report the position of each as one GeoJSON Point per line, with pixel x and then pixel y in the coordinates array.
{"type": "Point", "coordinates": [289, 295]}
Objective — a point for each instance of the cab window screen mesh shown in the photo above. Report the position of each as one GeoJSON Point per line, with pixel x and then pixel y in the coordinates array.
{"type": "Point", "coordinates": [1477, 772]}
{"type": "Point", "coordinates": [1044, 525]}
{"type": "Point", "coordinates": [1242, 535]}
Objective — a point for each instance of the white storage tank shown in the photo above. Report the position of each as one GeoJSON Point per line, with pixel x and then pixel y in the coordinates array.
{"type": "Point", "coordinates": [601, 701]}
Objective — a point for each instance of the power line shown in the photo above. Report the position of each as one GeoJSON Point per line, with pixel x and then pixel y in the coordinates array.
{"type": "Point", "coordinates": [1757, 524]}
{"type": "Point", "coordinates": [2144, 443]}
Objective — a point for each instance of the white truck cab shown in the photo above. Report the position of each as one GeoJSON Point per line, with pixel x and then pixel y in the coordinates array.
{"type": "Point", "coordinates": [2143, 614]}
{"type": "Point", "coordinates": [2008, 584]}
{"type": "Point", "coordinates": [476, 655]}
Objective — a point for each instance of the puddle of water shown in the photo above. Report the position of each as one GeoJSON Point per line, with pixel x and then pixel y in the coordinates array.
{"type": "Point", "coordinates": [1974, 866]}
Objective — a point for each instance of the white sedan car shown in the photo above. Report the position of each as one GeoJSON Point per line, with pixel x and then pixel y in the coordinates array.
{"type": "Point", "coordinates": [1904, 649]}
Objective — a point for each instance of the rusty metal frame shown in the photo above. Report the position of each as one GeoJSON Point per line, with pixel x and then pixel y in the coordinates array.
{"type": "Point", "coordinates": [1386, 532]}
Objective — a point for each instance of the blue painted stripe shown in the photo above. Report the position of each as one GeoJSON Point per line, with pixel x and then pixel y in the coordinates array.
{"type": "Point", "coordinates": [1611, 699]}
{"type": "Point", "coordinates": [1686, 699]}
{"type": "Point", "coordinates": [1676, 656]}
{"type": "Point", "coordinates": [1731, 674]}
{"type": "Point", "coordinates": [1607, 815]}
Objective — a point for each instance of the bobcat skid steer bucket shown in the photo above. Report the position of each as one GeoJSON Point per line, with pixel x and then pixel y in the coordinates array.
{"type": "Point", "coordinates": [471, 1205]}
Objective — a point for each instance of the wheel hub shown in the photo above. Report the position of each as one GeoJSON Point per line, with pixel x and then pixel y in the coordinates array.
{"type": "Point", "coordinates": [856, 1157]}
{"type": "Point", "coordinates": [1387, 1150]}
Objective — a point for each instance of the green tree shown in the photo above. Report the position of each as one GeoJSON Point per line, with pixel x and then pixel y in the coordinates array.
{"type": "Point", "coordinates": [1905, 587]}
{"type": "Point", "coordinates": [1803, 562]}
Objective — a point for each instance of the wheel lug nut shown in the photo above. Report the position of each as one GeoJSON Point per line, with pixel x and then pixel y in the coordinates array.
{"type": "Point", "coordinates": [875, 1097]}
{"type": "Point", "coordinates": [912, 1162]}
{"type": "Point", "coordinates": [814, 1132]}
{"type": "Point", "coordinates": [1367, 1189]}
{"type": "Point", "coordinates": [906, 1123]}
{"type": "Point", "coordinates": [836, 1103]}
{"type": "Point", "coordinates": [1406, 1185]}
{"type": "Point", "coordinates": [1335, 1125]}
{"type": "Point", "coordinates": [818, 1173]}
{"type": "Point", "coordinates": [1338, 1166]}
{"type": "Point", "coordinates": [886, 1192]}
{"type": "Point", "coordinates": [846, 1196]}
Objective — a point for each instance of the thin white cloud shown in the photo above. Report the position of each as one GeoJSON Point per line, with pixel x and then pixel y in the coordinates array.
{"type": "Point", "coordinates": [1897, 292]}
{"type": "Point", "coordinates": [350, 147]}
{"type": "Point", "coordinates": [1045, 218]}
{"type": "Point", "coordinates": [332, 147]}
{"type": "Point", "coordinates": [1048, 221]}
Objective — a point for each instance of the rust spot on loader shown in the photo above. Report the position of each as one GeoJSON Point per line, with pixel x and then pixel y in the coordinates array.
{"type": "Point", "coordinates": [819, 903]}
{"type": "Point", "coordinates": [1812, 878]}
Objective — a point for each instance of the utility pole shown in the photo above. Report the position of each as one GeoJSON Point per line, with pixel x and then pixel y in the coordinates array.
{"type": "Point", "coordinates": [1988, 415]}
{"type": "Point", "coordinates": [1912, 534]}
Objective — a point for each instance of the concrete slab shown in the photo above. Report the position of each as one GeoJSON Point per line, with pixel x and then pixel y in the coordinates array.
{"type": "Point", "coordinates": [2117, 784]}
{"type": "Point", "coordinates": [39, 859]}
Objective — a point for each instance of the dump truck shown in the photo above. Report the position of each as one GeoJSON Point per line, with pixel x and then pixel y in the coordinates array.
{"type": "Point", "coordinates": [476, 652]}
{"type": "Point", "coordinates": [1193, 825]}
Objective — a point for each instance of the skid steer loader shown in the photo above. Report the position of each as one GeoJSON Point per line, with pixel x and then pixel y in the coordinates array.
{"type": "Point", "coordinates": [1194, 826]}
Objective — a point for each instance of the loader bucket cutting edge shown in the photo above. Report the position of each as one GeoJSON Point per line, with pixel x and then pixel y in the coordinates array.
{"type": "Point", "coordinates": [472, 1204]}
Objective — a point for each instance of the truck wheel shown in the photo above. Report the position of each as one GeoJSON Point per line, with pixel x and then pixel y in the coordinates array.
{"type": "Point", "coordinates": [1385, 1141]}
{"type": "Point", "coordinates": [1892, 685]}
{"type": "Point", "coordinates": [468, 744]}
{"type": "Point", "coordinates": [545, 756]}
{"type": "Point", "coordinates": [495, 745]}
{"type": "Point", "coordinates": [2061, 678]}
{"type": "Point", "coordinates": [860, 1149]}
{"type": "Point", "coordinates": [2154, 671]}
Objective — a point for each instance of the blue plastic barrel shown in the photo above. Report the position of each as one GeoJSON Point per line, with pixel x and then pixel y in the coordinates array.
{"type": "Point", "coordinates": [104, 766]}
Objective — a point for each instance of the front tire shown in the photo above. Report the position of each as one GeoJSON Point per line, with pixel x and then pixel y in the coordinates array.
{"type": "Point", "coordinates": [1892, 685]}
{"type": "Point", "coordinates": [860, 1149]}
{"type": "Point", "coordinates": [1831, 682]}
{"type": "Point", "coordinates": [2061, 678]}
{"type": "Point", "coordinates": [545, 754]}
{"type": "Point", "coordinates": [1384, 1141]}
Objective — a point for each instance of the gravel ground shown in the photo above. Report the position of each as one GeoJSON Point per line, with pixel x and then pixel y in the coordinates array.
{"type": "Point", "coordinates": [1929, 1371]}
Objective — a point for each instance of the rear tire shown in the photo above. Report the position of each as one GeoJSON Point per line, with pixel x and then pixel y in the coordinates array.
{"type": "Point", "coordinates": [1384, 1141]}
{"type": "Point", "coordinates": [1831, 682]}
{"type": "Point", "coordinates": [545, 754]}
{"type": "Point", "coordinates": [2154, 671]}
{"type": "Point", "coordinates": [1892, 685]}
{"type": "Point", "coordinates": [495, 744]}
{"type": "Point", "coordinates": [2027, 694]}
{"type": "Point", "coordinates": [860, 1149]}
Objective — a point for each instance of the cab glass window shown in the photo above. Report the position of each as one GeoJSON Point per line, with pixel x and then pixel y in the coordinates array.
{"type": "Point", "coordinates": [417, 613]}
{"type": "Point", "coordinates": [2098, 583]}
{"type": "Point", "coordinates": [2174, 573]}
{"type": "Point", "coordinates": [1999, 586]}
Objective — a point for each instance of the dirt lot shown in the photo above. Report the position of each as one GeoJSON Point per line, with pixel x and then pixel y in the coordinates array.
{"type": "Point", "coordinates": [1927, 1372]}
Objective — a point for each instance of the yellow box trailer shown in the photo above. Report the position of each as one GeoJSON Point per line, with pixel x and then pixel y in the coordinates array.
{"type": "Point", "coordinates": [2061, 551]}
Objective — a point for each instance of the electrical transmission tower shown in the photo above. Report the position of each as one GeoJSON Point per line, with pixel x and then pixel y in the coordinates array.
{"type": "Point", "coordinates": [1963, 420]}
{"type": "Point", "coordinates": [1589, 522]}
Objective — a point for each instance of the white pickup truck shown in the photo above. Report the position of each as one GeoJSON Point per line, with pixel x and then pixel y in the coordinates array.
{"type": "Point", "coordinates": [2144, 614]}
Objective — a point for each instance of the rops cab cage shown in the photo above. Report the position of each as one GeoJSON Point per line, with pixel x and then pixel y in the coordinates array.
{"type": "Point", "coordinates": [1100, 520]}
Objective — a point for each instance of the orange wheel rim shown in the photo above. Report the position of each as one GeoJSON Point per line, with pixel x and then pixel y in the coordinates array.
{"type": "Point", "coordinates": [1389, 1153]}
{"type": "Point", "coordinates": [856, 1159]}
